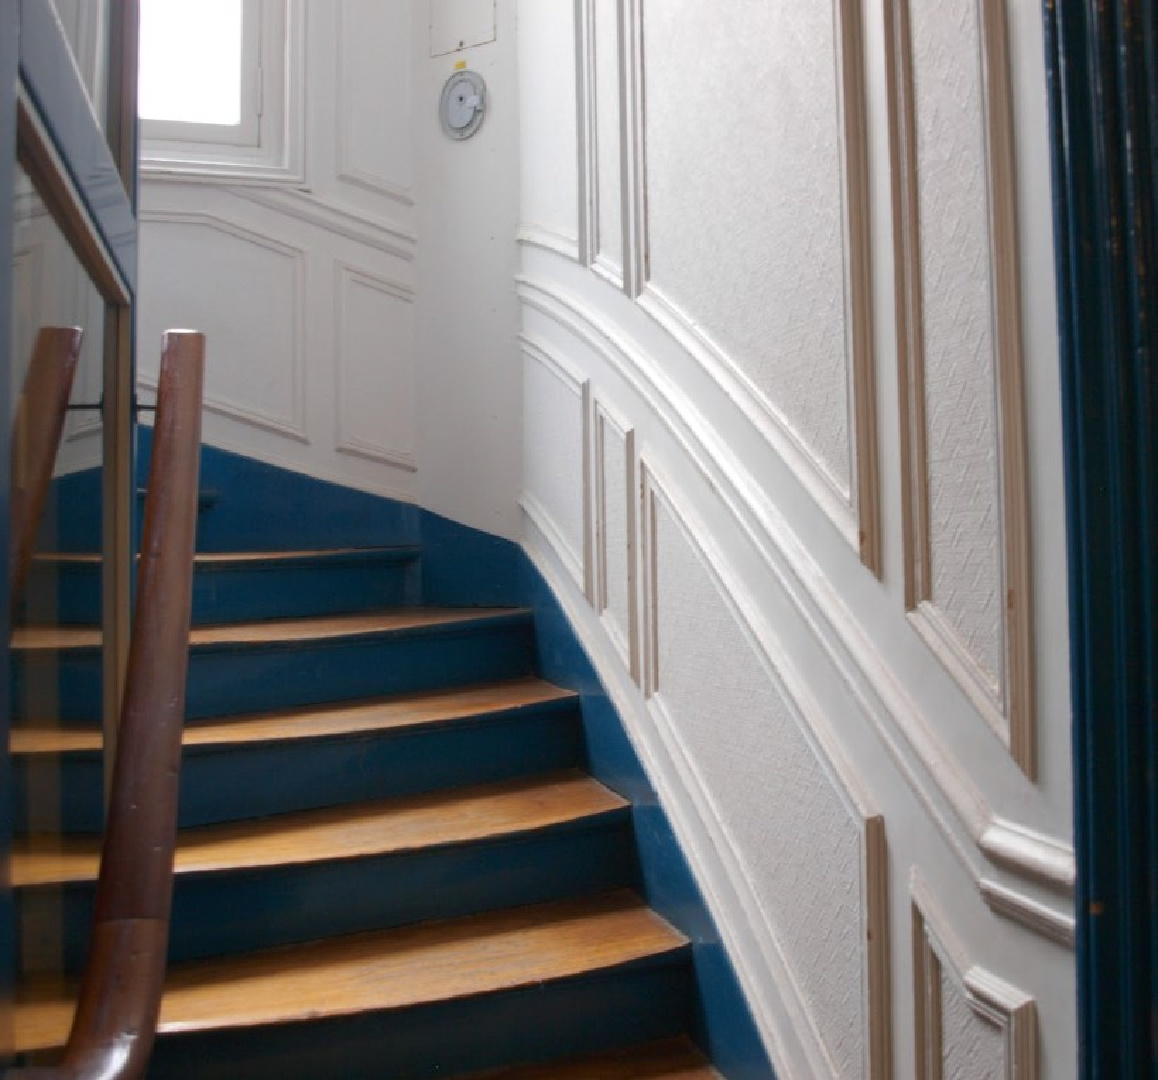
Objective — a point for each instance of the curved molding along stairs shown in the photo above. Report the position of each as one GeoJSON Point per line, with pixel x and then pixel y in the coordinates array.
{"type": "Point", "coordinates": [415, 840]}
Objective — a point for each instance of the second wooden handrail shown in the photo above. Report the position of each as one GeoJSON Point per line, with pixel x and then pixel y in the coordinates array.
{"type": "Point", "coordinates": [116, 1018]}
{"type": "Point", "coordinates": [36, 432]}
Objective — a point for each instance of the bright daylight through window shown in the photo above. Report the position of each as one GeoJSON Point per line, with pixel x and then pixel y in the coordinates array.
{"type": "Point", "coordinates": [191, 61]}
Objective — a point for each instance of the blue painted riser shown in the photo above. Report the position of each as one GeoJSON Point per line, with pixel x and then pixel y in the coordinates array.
{"type": "Point", "coordinates": [635, 1003]}
{"type": "Point", "coordinates": [228, 783]}
{"type": "Point", "coordinates": [325, 584]}
{"type": "Point", "coordinates": [229, 679]}
{"type": "Point", "coordinates": [238, 912]}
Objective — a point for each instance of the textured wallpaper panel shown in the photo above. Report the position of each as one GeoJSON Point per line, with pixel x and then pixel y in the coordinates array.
{"type": "Point", "coordinates": [800, 843]}
{"type": "Point", "coordinates": [616, 535]}
{"type": "Point", "coordinates": [610, 231]}
{"type": "Point", "coordinates": [744, 199]}
{"type": "Point", "coordinates": [956, 277]}
{"type": "Point", "coordinates": [971, 1047]}
{"type": "Point", "coordinates": [553, 470]}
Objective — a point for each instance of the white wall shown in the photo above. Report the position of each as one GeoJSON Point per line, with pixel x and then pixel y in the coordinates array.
{"type": "Point", "coordinates": [833, 613]}
{"type": "Point", "coordinates": [470, 398]}
{"type": "Point", "coordinates": [305, 285]}
{"type": "Point", "coordinates": [360, 314]}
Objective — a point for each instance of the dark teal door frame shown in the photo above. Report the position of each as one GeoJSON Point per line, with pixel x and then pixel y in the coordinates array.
{"type": "Point", "coordinates": [1103, 69]}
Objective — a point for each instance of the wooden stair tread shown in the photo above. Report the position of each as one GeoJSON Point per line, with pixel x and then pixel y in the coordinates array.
{"type": "Point", "coordinates": [272, 631]}
{"type": "Point", "coordinates": [386, 826]}
{"type": "Point", "coordinates": [399, 968]}
{"type": "Point", "coordinates": [385, 714]}
{"type": "Point", "coordinates": [672, 1059]}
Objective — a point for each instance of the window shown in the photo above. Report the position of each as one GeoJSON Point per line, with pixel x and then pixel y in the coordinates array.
{"type": "Point", "coordinates": [216, 94]}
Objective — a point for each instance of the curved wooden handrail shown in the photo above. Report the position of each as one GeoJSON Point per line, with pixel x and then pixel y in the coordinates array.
{"type": "Point", "coordinates": [116, 1018]}
{"type": "Point", "coordinates": [36, 432]}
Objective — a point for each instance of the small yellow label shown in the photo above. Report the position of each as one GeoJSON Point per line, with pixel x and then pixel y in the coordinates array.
{"type": "Point", "coordinates": [460, 66]}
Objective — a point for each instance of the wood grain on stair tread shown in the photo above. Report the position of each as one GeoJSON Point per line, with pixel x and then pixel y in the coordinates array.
{"type": "Point", "coordinates": [672, 1059]}
{"type": "Point", "coordinates": [315, 628]}
{"type": "Point", "coordinates": [407, 966]}
{"type": "Point", "coordinates": [387, 826]}
{"type": "Point", "coordinates": [403, 711]}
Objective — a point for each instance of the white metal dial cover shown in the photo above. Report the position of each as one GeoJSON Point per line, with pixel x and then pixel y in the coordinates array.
{"type": "Point", "coordinates": [462, 105]}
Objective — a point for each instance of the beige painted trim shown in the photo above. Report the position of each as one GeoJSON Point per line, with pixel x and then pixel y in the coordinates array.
{"type": "Point", "coordinates": [865, 479]}
{"type": "Point", "coordinates": [588, 141]}
{"type": "Point", "coordinates": [649, 573]}
{"type": "Point", "coordinates": [626, 639]}
{"type": "Point", "coordinates": [879, 989]}
{"type": "Point", "coordinates": [632, 149]}
{"type": "Point", "coordinates": [1009, 707]}
{"type": "Point", "coordinates": [937, 951]}
{"type": "Point", "coordinates": [1003, 232]}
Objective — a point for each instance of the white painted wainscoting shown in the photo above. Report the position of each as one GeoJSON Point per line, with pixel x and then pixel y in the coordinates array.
{"type": "Point", "coordinates": [792, 462]}
{"type": "Point", "coordinates": [305, 284]}
{"type": "Point", "coordinates": [358, 302]}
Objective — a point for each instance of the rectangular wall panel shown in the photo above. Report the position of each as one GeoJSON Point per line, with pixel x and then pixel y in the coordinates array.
{"type": "Point", "coordinates": [615, 532]}
{"type": "Point", "coordinates": [744, 202]}
{"type": "Point", "coordinates": [823, 900]}
{"type": "Point", "coordinates": [254, 364]}
{"type": "Point", "coordinates": [554, 480]}
{"type": "Point", "coordinates": [966, 512]}
{"type": "Point", "coordinates": [373, 112]}
{"type": "Point", "coordinates": [609, 213]}
{"type": "Point", "coordinates": [970, 1025]}
{"type": "Point", "coordinates": [374, 366]}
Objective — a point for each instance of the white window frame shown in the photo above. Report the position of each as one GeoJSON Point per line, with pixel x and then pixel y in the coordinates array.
{"type": "Point", "coordinates": [267, 146]}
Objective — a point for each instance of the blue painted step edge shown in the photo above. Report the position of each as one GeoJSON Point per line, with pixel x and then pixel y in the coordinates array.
{"type": "Point", "coordinates": [329, 582]}
{"type": "Point", "coordinates": [464, 566]}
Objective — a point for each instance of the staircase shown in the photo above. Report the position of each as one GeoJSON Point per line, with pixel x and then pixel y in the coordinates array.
{"type": "Point", "coordinates": [392, 862]}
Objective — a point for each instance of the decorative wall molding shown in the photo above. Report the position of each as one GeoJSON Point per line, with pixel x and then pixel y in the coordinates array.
{"type": "Point", "coordinates": [858, 288]}
{"type": "Point", "coordinates": [345, 443]}
{"type": "Point", "coordinates": [579, 562]}
{"type": "Point", "coordinates": [1039, 858]}
{"type": "Point", "coordinates": [540, 236]}
{"type": "Point", "coordinates": [386, 236]}
{"type": "Point", "coordinates": [816, 732]}
{"type": "Point", "coordinates": [346, 138]}
{"type": "Point", "coordinates": [292, 425]}
{"type": "Point", "coordinates": [1008, 1015]}
{"type": "Point", "coordinates": [852, 503]}
{"type": "Point", "coordinates": [1048, 922]}
{"type": "Point", "coordinates": [1008, 706]}
{"type": "Point", "coordinates": [542, 519]}
{"type": "Point", "coordinates": [606, 425]}
{"type": "Point", "coordinates": [588, 140]}
{"type": "Point", "coordinates": [947, 793]}
{"type": "Point", "coordinates": [824, 488]}
{"type": "Point", "coordinates": [632, 153]}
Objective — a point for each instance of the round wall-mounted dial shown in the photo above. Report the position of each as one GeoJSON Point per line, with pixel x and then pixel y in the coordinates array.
{"type": "Point", "coordinates": [462, 105]}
